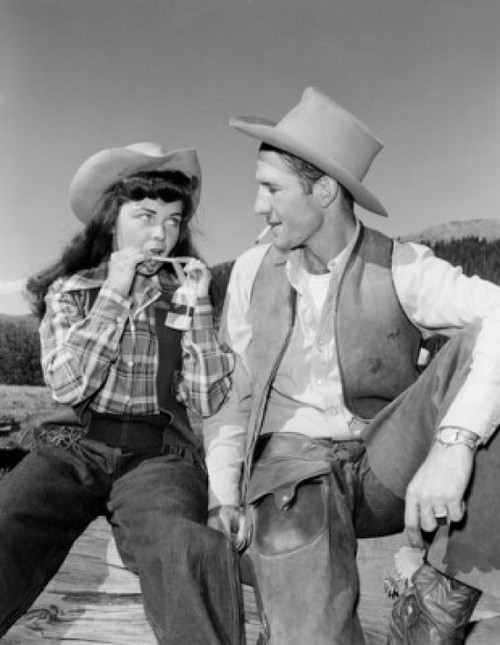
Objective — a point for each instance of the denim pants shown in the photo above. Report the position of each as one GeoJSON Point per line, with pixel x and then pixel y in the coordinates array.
{"type": "Point", "coordinates": [157, 507]}
{"type": "Point", "coordinates": [311, 500]}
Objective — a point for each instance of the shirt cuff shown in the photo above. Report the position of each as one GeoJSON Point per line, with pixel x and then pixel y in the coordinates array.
{"type": "Point", "coordinates": [474, 409]}
{"type": "Point", "coordinates": [203, 317]}
{"type": "Point", "coordinates": [224, 487]}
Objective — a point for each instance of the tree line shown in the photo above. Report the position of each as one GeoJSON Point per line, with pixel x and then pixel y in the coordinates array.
{"type": "Point", "coordinates": [19, 351]}
{"type": "Point", "coordinates": [20, 345]}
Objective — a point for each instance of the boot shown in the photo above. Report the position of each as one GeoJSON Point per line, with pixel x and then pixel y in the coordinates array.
{"type": "Point", "coordinates": [435, 610]}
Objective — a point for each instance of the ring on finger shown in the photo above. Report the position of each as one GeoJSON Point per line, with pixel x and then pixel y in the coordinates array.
{"type": "Point", "coordinates": [441, 520]}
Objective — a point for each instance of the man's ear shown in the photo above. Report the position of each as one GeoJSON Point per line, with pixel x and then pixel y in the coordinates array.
{"type": "Point", "coordinates": [326, 190]}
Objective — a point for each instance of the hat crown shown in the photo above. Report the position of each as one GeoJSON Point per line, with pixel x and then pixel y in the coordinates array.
{"type": "Point", "coordinates": [321, 132]}
{"type": "Point", "coordinates": [147, 148]}
{"type": "Point", "coordinates": [321, 124]}
{"type": "Point", "coordinates": [106, 167]}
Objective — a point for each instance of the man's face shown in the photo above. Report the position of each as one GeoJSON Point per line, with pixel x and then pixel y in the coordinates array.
{"type": "Point", "coordinates": [294, 216]}
{"type": "Point", "coordinates": [151, 225]}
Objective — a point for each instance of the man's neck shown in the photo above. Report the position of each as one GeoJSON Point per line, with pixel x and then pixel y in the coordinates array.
{"type": "Point", "coordinates": [332, 242]}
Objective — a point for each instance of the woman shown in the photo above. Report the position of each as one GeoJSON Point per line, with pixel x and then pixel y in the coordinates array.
{"type": "Point", "coordinates": [112, 350]}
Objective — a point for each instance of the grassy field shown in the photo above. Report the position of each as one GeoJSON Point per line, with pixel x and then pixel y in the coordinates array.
{"type": "Point", "coordinates": [25, 404]}
{"type": "Point", "coordinates": [22, 401]}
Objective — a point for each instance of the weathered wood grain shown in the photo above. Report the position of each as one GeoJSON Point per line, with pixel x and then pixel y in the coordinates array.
{"type": "Point", "coordinates": [94, 600]}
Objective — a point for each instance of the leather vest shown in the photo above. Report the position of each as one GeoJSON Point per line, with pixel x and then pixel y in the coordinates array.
{"type": "Point", "coordinates": [377, 345]}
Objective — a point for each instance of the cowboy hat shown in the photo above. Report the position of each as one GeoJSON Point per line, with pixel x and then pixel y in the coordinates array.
{"type": "Point", "coordinates": [321, 132]}
{"type": "Point", "coordinates": [105, 168]}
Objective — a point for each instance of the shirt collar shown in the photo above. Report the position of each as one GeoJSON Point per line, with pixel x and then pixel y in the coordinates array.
{"type": "Point", "coordinates": [87, 278]}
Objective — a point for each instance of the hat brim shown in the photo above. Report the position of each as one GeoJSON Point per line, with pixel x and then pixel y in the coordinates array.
{"type": "Point", "coordinates": [267, 132]}
{"type": "Point", "coordinates": [107, 167]}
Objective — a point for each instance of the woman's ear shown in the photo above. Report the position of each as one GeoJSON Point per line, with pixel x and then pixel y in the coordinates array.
{"type": "Point", "coordinates": [326, 190]}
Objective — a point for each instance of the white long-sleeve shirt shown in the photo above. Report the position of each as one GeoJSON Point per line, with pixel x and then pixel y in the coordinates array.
{"type": "Point", "coordinates": [306, 396]}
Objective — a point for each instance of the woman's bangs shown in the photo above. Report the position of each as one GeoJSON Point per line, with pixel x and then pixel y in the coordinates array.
{"type": "Point", "coordinates": [158, 186]}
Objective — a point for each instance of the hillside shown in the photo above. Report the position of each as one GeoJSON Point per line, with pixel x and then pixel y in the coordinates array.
{"type": "Point", "coordinates": [484, 229]}
{"type": "Point", "coordinates": [27, 319]}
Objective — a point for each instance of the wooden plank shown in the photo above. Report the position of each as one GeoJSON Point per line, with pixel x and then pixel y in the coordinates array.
{"type": "Point", "coordinates": [95, 600]}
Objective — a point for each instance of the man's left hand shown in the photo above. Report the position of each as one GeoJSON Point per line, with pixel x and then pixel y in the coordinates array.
{"type": "Point", "coordinates": [437, 490]}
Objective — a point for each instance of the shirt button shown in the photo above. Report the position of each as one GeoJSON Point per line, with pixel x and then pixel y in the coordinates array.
{"type": "Point", "coordinates": [119, 319]}
{"type": "Point", "coordinates": [130, 363]}
{"type": "Point", "coordinates": [319, 381]}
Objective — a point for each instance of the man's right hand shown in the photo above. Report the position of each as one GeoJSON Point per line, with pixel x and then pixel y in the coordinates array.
{"type": "Point", "coordinates": [230, 520]}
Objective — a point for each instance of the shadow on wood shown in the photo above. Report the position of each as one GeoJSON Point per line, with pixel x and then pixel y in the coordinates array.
{"type": "Point", "coordinates": [95, 600]}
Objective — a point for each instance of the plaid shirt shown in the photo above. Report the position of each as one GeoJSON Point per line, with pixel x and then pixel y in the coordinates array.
{"type": "Point", "coordinates": [110, 352]}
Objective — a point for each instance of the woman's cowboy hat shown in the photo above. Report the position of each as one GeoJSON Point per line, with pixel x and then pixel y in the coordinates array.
{"type": "Point", "coordinates": [105, 168]}
{"type": "Point", "coordinates": [323, 133]}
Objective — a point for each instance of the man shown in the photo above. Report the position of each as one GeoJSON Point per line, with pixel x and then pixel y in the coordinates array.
{"type": "Point", "coordinates": [338, 433]}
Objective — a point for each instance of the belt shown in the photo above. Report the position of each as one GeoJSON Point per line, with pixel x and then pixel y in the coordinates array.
{"type": "Point", "coordinates": [289, 444]}
{"type": "Point", "coordinates": [135, 433]}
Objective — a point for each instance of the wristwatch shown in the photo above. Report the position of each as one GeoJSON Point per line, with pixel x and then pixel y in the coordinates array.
{"type": "Point", "coordinates": [450, 436]}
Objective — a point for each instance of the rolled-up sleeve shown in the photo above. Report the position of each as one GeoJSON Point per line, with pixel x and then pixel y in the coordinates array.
{"type": "Point", "coordinates": [225, 433]}
{"type": "Point", "coordinates": [439, 298]}
{"type": "Point", "coordinates": [224, 436]}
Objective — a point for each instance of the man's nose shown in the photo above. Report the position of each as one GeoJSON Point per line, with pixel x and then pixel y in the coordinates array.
{"type": "Point", "coordinates": [262, 202]}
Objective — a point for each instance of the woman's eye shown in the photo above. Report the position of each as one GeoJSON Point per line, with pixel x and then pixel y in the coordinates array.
{"type": "Point", "coordinates": [173, 221]}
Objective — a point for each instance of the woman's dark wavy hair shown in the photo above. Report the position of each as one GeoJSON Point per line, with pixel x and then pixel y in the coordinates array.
{"type": "Point", "coordinates": [95, 243]}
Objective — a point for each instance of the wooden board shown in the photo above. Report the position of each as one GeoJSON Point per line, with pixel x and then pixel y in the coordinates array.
{"type": "Point", "coordinates": [94, 600]}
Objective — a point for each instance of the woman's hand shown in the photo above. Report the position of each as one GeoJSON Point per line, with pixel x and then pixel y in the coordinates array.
{"type": "Point", "coordinates": [195, 275]}
{"type": "Point", "coordinates": [122, 268]}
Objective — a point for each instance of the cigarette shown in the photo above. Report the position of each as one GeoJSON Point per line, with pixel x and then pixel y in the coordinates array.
{"type": "Point", "coordinates": [262, 234]}
{"type": "Point", "coordinates": [164, 258]}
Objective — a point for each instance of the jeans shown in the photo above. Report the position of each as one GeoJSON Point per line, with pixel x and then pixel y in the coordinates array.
{"type": "Point", "coordinates": [157, 507]}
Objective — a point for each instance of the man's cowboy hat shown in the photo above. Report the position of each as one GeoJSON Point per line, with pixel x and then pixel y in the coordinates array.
{"type": "Point", "coordinates": [323, 133]}
{"type": "Point", "coordinates": [105, 168]}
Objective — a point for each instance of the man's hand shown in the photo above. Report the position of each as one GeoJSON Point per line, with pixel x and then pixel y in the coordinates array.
{"type": "Point", "coordinates": [230, 520]}
{"type": "Point", "coordinates": [438, 490]}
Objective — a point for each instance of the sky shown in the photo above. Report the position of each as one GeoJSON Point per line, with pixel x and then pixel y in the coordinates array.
{"type": "Point", "coordinates": [78, 76]}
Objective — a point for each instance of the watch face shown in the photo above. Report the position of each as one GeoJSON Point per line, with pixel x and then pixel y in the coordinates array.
{"type": "Point", "coordinates": [448, 435]}
{"type": "Point", "coordinates": [455, 435]}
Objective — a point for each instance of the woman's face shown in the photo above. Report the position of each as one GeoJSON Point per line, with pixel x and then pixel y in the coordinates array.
{"type": "Point", "coordinates": [151, 225]}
